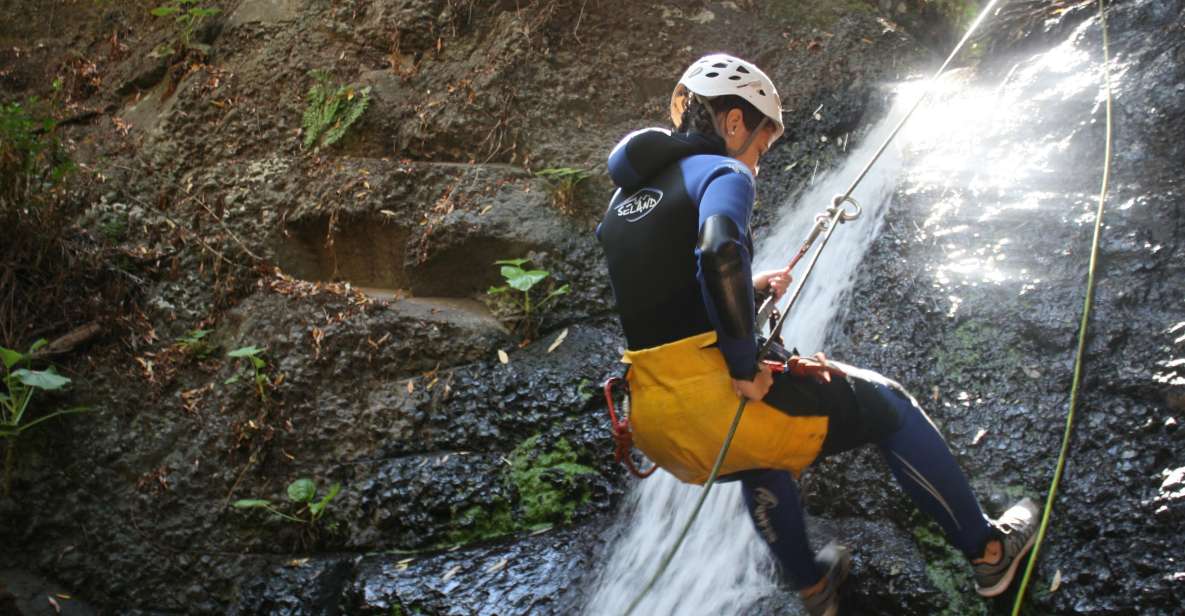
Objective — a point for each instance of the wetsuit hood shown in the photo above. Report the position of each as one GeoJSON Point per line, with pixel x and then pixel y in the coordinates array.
{"type": "Point", "coordinates": [643, 154]}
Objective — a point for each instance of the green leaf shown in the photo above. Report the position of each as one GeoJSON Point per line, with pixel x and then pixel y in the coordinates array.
{"type": "Point", "coordinates": [514, 262]}
{"type": "Point", "coordinates": [204, 12]}
{"type": "Point", "coordinates": [247, 351]}
{"type": "Point", "coordinates": [165, 11]}
{"type": "Point", "coordinates": [560, 291]}
{"type": "Point", "coordinates": [257, 362]}
{"type": "Point", "coordinates": [41, 379]}
{"type": "Point", "coordinates": [319, 506]}
{"type": "Point", "coordinates": [33, 348]}
{"type": "Point", "coordinates": [10, 357]}
{"type": "Point", "coordinates": [521, 279]}
{"type": "Point", "coordinates": [251, 503]}
{"type": "Point", "coordinates": [302, 490]}
{"type": "Point", "coordinates": [497, 290]}
{"type": "Point", "coordinates": [232, 380]}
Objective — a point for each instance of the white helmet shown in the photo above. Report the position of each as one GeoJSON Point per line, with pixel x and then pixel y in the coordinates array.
{"type": "Point", "coordinates": [720, 75]}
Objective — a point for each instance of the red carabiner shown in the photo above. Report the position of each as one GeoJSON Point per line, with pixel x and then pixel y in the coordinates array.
{"type": "Point", "coordinates": [622, 436]}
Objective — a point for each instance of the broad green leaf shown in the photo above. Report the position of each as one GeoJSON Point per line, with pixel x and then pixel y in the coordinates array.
{"type": "Point", "coordinates": [251, 503]}
{"type": "Point", "coordinates": [319, 506]}
{"type": "Point", "coordinates": [514, 262]}
{"type": "Point", "coordinates": [560, 291]}
{"type": "Point", "coordinates": [37, 345]}
{"type": "Point", "coordinates": [10, 357]}
{"type": "Point", "coordinates": [497, 290]}
{"type": "Point", "coordinates": [302, 490]}
{"type": "Point", "coordinates": [165, 11]}
{"type": "Point", "coordinates": [257, 362]}
{"type": "Point", "coordinates": [232, 380]}
{"type": "Point", "coordinates": [41, 379]}
{"type": "Point", "coordinates": [247, 351]}
{"type": "Point", "coordinates": [523, 280]}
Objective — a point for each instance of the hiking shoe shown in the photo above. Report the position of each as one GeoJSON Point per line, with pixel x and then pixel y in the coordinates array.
{"type": "Point", "coordinates": [1016, 530]}
{"type": "Point", "coordinates": [836, 559]}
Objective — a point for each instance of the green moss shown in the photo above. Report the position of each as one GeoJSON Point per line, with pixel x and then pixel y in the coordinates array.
{"type": "Point", "coordinates": [949, 572]}
{"type": "Point", "coordinates": [546, 487]}
{"type": "Point", "coordinates": [975, 346]}
{"type": "Point", "coordinates": [547, 482]}
{"type": "Point", "coordinates": [478, 524]}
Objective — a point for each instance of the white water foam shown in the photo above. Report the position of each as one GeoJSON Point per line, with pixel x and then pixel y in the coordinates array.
{"type": "Point", "coordinates": [722, 566]}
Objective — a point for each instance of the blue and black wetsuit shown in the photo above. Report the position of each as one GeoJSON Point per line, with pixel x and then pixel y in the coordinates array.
{"type": "Point", "coordinates": [676, 237]}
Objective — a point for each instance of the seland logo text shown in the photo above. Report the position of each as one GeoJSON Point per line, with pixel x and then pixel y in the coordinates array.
{"type": "Point", "coordinates": [639, 204]}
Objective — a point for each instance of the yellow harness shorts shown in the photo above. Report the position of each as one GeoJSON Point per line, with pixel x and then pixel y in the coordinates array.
{"type": "Point", "coordinates": [682, 404]}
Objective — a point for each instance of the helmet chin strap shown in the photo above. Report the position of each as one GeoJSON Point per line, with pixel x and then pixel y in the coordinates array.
{"type": "Point", "coordinates": [721, 133]}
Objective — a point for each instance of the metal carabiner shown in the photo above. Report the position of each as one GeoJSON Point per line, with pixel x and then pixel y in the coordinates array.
{"type": "Point", "coordinates": [837, 203]}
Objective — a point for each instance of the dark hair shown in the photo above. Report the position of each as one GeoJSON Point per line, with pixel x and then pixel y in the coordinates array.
{"type": "Point", "coordinates": [697, 118]}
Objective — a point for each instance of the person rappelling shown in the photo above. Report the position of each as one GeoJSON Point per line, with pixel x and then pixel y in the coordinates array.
{"type": "Point", "coordinates": [677, 239]}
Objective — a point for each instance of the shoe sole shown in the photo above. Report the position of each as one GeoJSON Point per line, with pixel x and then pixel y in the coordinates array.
{"type": "Point", "coordinates": [1002, 585]}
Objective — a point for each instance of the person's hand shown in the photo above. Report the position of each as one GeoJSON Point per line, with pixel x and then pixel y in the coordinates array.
{"type": "Point", "coordinates": [758, 387]}
{"type": "Point", "coordinates": [777, 281]}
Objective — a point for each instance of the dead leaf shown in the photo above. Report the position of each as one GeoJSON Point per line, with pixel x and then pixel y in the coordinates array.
{"type": "Point", "coordinates": [411, 386]}
{"type": "Point", "coordinates": [450, 573]}
{"type": "Point", "coordinates": [558, 341]}
{"type": "Point", "coordinates": [498, 566]}
{"type": "Point", "coordinates": [1057, 581]}
{"type": "Point", "coordinates": [503, 357]}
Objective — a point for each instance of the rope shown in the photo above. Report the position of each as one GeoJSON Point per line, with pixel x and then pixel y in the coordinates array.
{"type": "Point", "coordinates": [1081, 351]}
{"type": "Point", "coordinates": [836, 218]}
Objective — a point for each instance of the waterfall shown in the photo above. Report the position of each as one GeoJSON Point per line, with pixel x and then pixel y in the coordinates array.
{"type": "Point", "coordinates": [723, 566]}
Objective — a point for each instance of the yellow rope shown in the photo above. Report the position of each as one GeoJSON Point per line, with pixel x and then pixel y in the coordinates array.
{"type": "Point", "coordinates": [1094, 255]}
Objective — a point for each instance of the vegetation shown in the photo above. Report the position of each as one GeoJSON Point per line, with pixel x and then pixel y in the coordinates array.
{"type": "Point", "coordinates": [302, 492]}
{"type": "Point", "coordinates": [948, 571]}
{"type": "Point", "coordinates": [331, 110]}
{"type": "Point", "coordinates": [547, 489]}
{"type": "Point", "coordinates": [252, 365]}
{"type": "Point", "coordinates": [546, 482]}
{"type": "Point", "coordinates": [188, 16]}
{"type": "Point", "coordinates": [563, 181]}
{"type": "Point", "coordinates": [32, 159]}
{"type": "Point", "coordinates": [518, 306]}
{"type": "Point", "coordinates": [195, 345]}
{"type": "Point", "coordinates": [20, 385]}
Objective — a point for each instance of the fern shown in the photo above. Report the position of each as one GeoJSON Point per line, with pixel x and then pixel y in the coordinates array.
{"type": "Point", "coordinates": [331, 111]}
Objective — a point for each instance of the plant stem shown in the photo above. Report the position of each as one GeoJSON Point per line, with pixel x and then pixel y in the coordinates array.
{"type": "Point", "coordinates": [9, 464]}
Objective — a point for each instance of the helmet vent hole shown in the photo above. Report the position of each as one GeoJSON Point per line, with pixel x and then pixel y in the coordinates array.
{"type": "Point", "coordinates": [720, 65]}
{"type": "Point", "coordinates": [761, 92]}
{"type": "Point", "coordinates": [712, 74]}
{"type": "Point", "coordinates": [735, 78]}
{"type": "Point", "coordinates": [741, 69]}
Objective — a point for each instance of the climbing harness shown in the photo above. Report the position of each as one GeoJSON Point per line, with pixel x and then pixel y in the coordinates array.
{"type": "Point", "coordinates": [622, 435]}
{"type": "Point", "coordinates": [1087, 303]}
{"type": "Point", "coordinates": [834, 216]}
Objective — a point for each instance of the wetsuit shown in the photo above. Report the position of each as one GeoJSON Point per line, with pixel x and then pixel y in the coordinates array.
{"type": "Point", "coordinates": [677, 241]}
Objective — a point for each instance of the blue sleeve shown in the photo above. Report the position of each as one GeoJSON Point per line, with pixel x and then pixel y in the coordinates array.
{"type": "Point", "coordinates": [729, 191]}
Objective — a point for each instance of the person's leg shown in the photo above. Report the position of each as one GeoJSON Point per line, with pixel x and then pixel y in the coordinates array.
{"type": "Point", "coordinates": [865, 407]}
{"type": "Point", "coordinates": [776, 510]}
{"type": "Point", "coordinates": [923, 465]}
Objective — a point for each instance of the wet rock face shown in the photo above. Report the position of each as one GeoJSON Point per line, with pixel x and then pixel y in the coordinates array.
{"type": "Point", "coordinates": [399, 395]}
{"type": "Point", "coordinates": [992, 357]}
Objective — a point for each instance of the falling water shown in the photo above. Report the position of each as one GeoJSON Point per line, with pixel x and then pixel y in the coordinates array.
{"type": "Point", "coordinates": [722, 566]}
